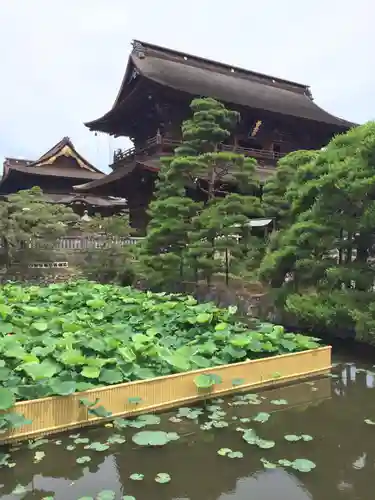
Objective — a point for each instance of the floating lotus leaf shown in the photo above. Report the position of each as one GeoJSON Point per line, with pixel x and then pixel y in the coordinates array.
{"type": "Point", "coordinates": [153, 438]}
{"type": "Point", "coordinates": [136, 477]}
{"type": "Point", "coordinates": [261, 417]}
{"type": "Point", "coordinates": [163, 478]}
{"type": "Point", "coordinates": [303, 465]}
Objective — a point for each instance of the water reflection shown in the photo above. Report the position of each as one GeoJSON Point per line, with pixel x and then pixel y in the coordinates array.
{"type": "Point", "coordinates": [332, 410]}
{"type": "Point", "coordinates": [268, 485]}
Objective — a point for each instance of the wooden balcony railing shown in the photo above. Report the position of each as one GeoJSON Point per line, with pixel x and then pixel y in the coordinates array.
{"type": "Point", "coordinates": [164, 144]}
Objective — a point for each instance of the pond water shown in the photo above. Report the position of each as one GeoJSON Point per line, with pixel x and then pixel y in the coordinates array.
{"type": "Point", "coordinates": [329, 413]}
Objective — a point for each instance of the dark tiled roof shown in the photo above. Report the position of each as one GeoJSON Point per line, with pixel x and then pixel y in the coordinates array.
{"type": "Point", "coordinates": [10, 162]}
{"type": "Point", "coordinates": [152, 164]}
{"type": "Point", "coordinates": [53, 171]}
{"type": "Point", "coordinates": [202, 77]}
{"type": "Point", "coordinates": [107, 179]}
{"type": "Point", "coordinates": [44, 166]}
{"type": "Point", "coordinates": [99, 201]}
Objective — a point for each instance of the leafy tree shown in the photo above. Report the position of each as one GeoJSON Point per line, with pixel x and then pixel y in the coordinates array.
{"type": "Point", "coordinates": [220, 232]}
{"type": "Point", "coordinates": [28, 222]}
{"type": "Point", "coordinates": [328, 253]}
{"type": "Point", "coordinates": [111, 259]}
{"type": "Point", "coordinates": [162, 252]}
{"type": "Point", "coordinates": [184, 235]}
{"type": "Point", "coordinates": [279, 190]}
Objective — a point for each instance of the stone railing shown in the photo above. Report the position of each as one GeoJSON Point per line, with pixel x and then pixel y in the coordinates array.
{"type": "Point", "coordinates": [71, 243]}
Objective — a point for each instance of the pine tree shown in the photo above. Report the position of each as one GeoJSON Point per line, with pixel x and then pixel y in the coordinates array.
{"type": "Point", "coordinates": [328, 252]}
{"type": "Point", "coordinates": [278, 190]}
{"type": "Point", "coordinates": [183, 235]}
{"type": "Point", "coordinates": [162, 252]}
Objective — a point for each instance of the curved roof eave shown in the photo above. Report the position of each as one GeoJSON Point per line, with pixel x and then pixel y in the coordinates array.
{"type": "Point", "coordinates": [51, 172]}
{"type": "Point", "coordinates": [228, 84]}
{"type": "Point", "coordinates": [107, 179]}
{"type": "Point", "coordinates": [234, 89]}
{"type": "Point", "coordinates": [99, 123]}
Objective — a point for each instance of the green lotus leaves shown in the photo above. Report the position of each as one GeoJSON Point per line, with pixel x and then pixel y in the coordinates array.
{"type": "Point", "coordinates": [154, 438]}
{"type": "Point", "coordinates": [163, 478]}
{"type": "Point", "coordinates": [303, 465]}
{"type": "Point", "coordinates": [261, 417]}
{"type": "Point", "coordinates": [293, 437]}
{"type": "Point", "coordinates": [251, 437]}
{"type": "Point", "coordinates": [7, 399]}
{"type": "Point", "coordinates": [224, 451]}
{"type": "Point", "coordinates": [279, 402]}
{"type": "Point", "coordinates": [136, 477]}
{"type": "Point", "coordinates": [91, 372]}
{"type": "Point", "coordinates": [71, 337]}
{"type": "Point", "coordinates": [96, 446]}
{"type": "Point", "coordinates": [149, 419]}
{"type": "Point", "coordinates": [63, 387]}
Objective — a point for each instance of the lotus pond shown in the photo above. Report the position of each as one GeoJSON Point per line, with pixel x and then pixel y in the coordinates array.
{"type": "Point", "coordinates": [311, 440]}
{"type": "Point", "coordinates": [308, 440]}
{"type": "Point", "coordinates": [68, 338]}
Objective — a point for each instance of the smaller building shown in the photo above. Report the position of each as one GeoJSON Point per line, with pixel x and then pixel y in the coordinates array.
{"type": "Point", "coordinates": [56, 172]}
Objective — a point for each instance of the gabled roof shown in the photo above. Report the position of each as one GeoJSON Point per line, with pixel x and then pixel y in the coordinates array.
{"type": "Point", "coordinates": [203, 77]}
{"type": "Point", "coordinates": [64, 147]}
{"type": "Point", "coordinates": [44, 166]}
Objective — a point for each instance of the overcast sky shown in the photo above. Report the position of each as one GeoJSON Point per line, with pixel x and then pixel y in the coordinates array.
{"type": "Point", "coordinates": [61, 63]}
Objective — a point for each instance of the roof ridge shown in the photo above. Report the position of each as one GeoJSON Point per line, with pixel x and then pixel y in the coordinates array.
{"type": "Point", "coordinates": [138, 45]}
{"type": "Point", "coordinates": [55, 150]}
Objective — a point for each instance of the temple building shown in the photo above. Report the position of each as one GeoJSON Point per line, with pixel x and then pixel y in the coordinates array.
{"type": "Point", "coordinates": [56, 172]}
{"type": "Point", "coordinates": [277, 116]}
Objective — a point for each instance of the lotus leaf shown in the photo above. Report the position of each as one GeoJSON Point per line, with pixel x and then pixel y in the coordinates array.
{"type": "Point", "coordinates": [261, 417]}
{"type": "Point", "coordinates": [136, 477]}
{"type": "Point", "coordinates": [75, 336]}
{"type": "Point", "coordinates": [97, 446]}
{"type": "Point", "coordinates": [163, 478]}
{"type": "Point", "coordinates": [7, 399]}
{"type": "Point", "coordinates": [267, 464]}
{"type": "Point", "coordinates": [235, 454]}
{"type": "Point", "coordinates": [224, 451]}
{"type": "Point", "coordinates": [303, 465]}
{"type": "Point", "coordinates": [153, 438]}
{"type": "Point", "coordinates": [279, 402]}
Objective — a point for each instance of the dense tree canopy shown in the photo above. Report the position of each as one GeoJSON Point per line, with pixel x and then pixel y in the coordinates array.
{"type": "Point", "coordinates": [323, 262]}
{"type": "Point", "coordinates": [185, 236]}
{"type": "Point", "coordinates": [27, 217]}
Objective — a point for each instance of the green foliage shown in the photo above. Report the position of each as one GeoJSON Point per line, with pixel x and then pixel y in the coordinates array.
{"type": "Point", "coordinates": [110, 261]}
{"type": "Point", "coordinates": [154, 438]}
{"type": "Point", "coordinates": [323, 263]}
{"type": "Point", "coordinates": [187, 237]}
{"type": "Point", "coordinates": [71, 337]}
{"type": "Point", "coordinates": [280, 189]}
{"type": "Point", "coordinates": [26, 216]}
